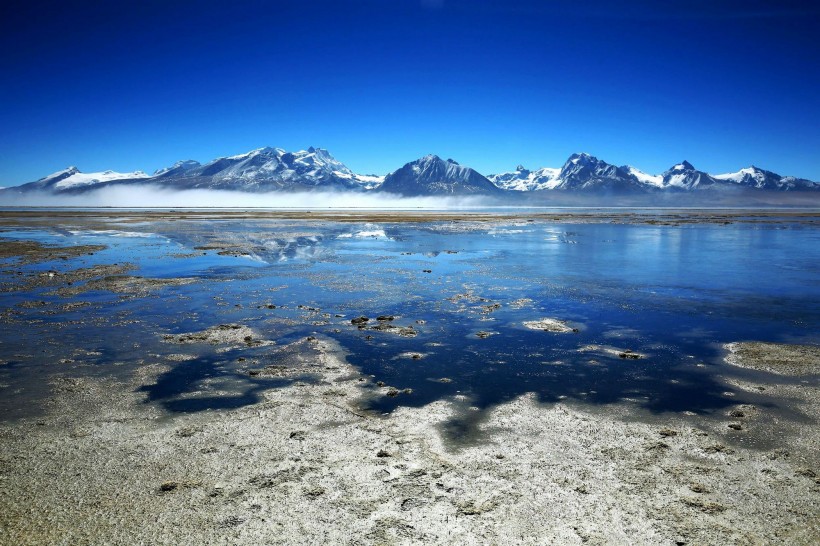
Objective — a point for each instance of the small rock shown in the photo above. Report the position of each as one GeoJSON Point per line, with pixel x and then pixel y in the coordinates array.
{"type": "Point", "coordinates": [735, 426]}
{"type": "Point", "coordinates": [382, 453]}
{"type": "Point", "coordinates": [359, 320]}
{"type": "Point", "coordinates": [298, 435]}
{"type": "Point", "coordinates": [667, 432]}
{"type": "Point", "coordinates": [169, 486]}
{"type": "Point", "coordinates": [718, 448]}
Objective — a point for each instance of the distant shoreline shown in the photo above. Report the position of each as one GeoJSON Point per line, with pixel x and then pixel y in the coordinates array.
{"type": "Point", "coordinates": [630, 215]}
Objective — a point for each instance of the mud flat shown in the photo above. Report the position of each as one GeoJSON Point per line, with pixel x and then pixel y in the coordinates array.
{"type": "Point", "coordinates": [307, 466]}
{"type": "Point", "coordinates": [777, 358]}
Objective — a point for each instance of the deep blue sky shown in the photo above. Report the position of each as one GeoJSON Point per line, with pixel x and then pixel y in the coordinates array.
{"type": "Point", "coordinates": [139, 85]}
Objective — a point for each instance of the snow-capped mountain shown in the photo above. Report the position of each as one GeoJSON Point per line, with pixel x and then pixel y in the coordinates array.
{"type": "Point", "coordinates": [72, 179]}
{"type": "Point", "coordinates": [684, 176]}
{"type": "Point", "coordinates": [648, 179]}
{"type": "Point", "coordinates": [581, 172]}
{"type": "Point", "coordinates": [177, 169]}
{"type": "Point", "coordinates": [274, 169]}
{"type": "Point", "coordinates": [267, 169]}
{"type": "Point", "coordinates": [525, 180]}
{"type": "Point", "coordinates": [264, 169]}
{"type": "Point", "coordinates": [432, 175]}
{"type": "Point", "coordinates": [754, 177]}
{"type": "Point", "coordinates": [585, 172]}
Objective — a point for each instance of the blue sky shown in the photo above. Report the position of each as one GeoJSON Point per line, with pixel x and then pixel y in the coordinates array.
{"type": "Point", "coordinates": [140, 85]}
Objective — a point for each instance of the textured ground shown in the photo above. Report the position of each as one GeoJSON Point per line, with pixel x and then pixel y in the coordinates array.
{"type": "Point", "coordinates": [306, 467]}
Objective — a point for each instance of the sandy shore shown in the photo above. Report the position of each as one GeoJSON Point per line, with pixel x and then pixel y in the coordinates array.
{"type": "Point", "coordinates": [307, 466]}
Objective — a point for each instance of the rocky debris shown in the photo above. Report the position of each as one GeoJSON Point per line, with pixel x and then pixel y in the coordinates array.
{"type": "Point", "coordinates": [223, 334]}
{"type": "Point", "coordinates": [272, 370]}
{"type": "Point", "coordinates": [32, 304]}
{"type": "Point", "coordinates": [386, 326]}
{"type": "Point", "coordinates": [549, 325]}
{"type": "Point", "coordinates": [611, 352]}
{"type": "Point", "coordinates": [777, 358]}
{"type": "Point", "coordinates": [487, 309]}
{"type": "Point", "coordinates": [359, 321]}
{"type": "Point", "coordinates": [629, 353]}
{"type": "Point", "coordinates": [520, 303]}
{"type": "Point", "coordinates": [668, 432]}
{"type": "Point", "coordinates": [127, 285]}
{"type": "Point", "coordinates": [735, 426]}
{"type": "Point", "coordinates": [483, 335]}
{"type": "Point", "coordinates": [64, 282]}
{"type": "Point", "coordinates": [29, 252]}
{"type": "Point", "coordinates": [718, 448]}
{"type": "Point", "coordinates": [385, 317]}
{"type": "Point", "coordinates": [474, 508]}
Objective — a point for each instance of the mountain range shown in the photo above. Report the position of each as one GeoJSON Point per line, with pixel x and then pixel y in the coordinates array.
{"type": "Point", "coordinates": [274, 169]}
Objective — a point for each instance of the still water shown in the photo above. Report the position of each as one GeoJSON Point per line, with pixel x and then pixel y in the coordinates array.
{"type": "Point", "coordinates": [672, 294]}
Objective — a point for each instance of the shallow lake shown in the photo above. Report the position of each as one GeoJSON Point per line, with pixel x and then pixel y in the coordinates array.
{"type": "Point", "coordinates": [459, 294]}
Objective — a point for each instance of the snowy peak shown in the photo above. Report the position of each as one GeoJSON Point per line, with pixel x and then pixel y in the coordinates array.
{"type": "Point", "coordinates": [523, 179]}
{"type": "Point", "coordinates": [648, 179]}
{"type": "Point", "coordinates": [269, 168]}
{"type": "Point", "coordinates": [683, 166]}
{"type": "Point", "coordinates": [586, 172]}
{"type": "Point", "coordinates": [431, 175]}
{"type": "Point", "coordinates": [755, 177]}
{"type": "Point", "coordinates": [684, 176]}
{"type": "Point", "coordinates": [73, 178]}
{"type": "Point", "coordinates": [177, 168]}
{"type": "Point", "coordinates": [69, 171]}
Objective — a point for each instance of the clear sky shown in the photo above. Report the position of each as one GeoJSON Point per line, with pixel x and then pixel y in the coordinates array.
{"type": "Point", "coordinates": [139, 85]}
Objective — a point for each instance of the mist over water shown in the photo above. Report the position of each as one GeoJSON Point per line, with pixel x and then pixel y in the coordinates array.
{"type": "Point", "coordinates": [151, 195]}
{"type": "Point", "coordinates": [157, 196]}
